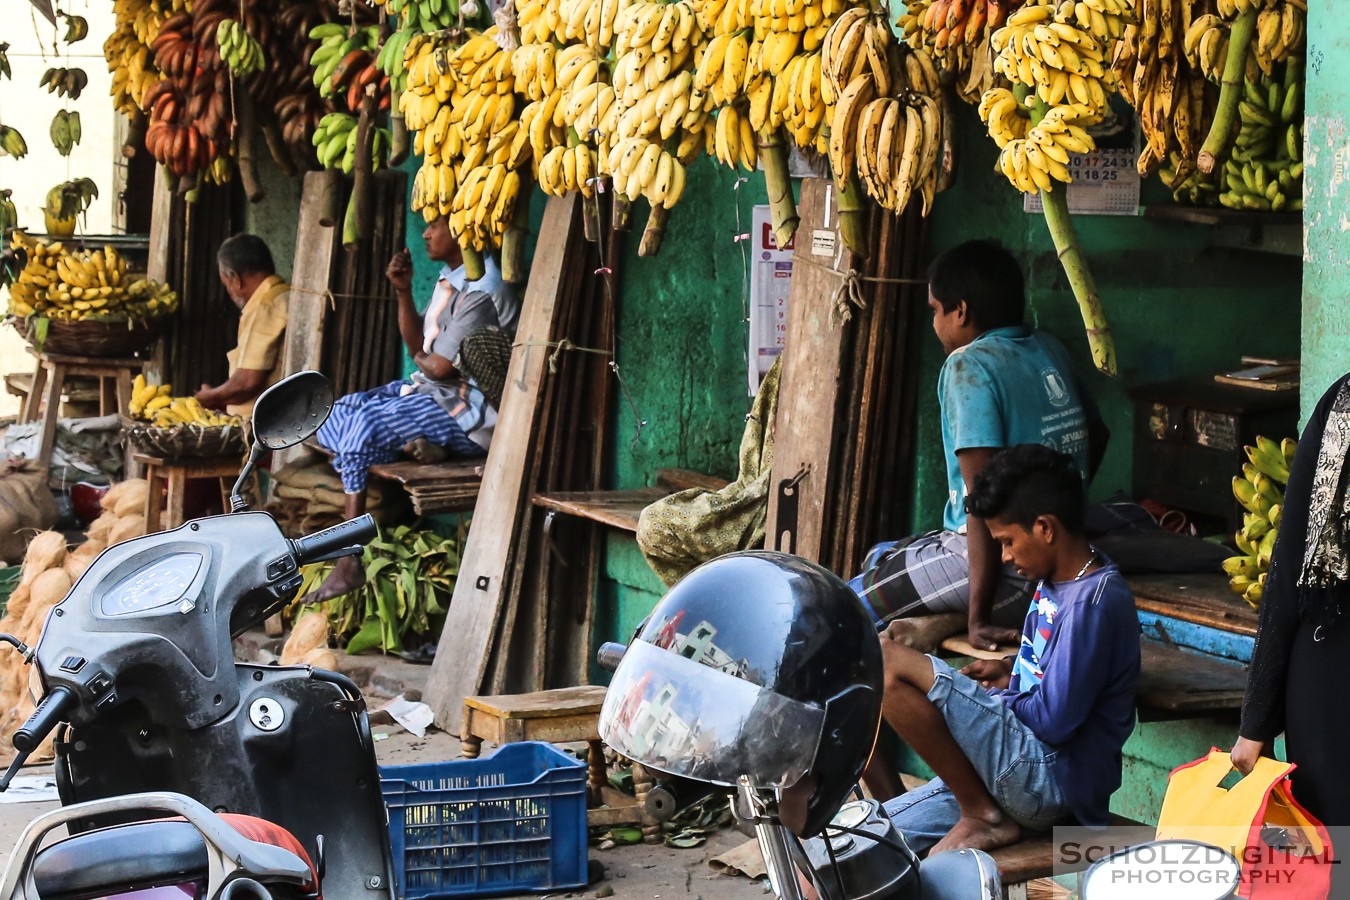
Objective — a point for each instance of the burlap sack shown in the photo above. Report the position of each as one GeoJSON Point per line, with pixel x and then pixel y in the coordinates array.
{"type": "Point", "coordinates": [26, 507]}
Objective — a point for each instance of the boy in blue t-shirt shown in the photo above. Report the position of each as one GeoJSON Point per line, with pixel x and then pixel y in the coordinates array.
{"type": "Point", "coordinates": [1031, 740]}
{"type": "Point", "coordinates": [1002, 384]}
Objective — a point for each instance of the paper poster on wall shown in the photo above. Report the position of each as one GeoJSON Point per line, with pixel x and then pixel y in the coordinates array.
{"type": "Point", "coordinates": [770, 280]}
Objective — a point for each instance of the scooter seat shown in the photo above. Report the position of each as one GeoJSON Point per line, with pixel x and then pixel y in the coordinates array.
{"type": "Point", "coordinates": [144, 854]}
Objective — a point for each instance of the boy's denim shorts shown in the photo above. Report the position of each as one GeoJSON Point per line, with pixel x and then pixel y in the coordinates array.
{"type": "Point", "coordinates": [1017, 769]}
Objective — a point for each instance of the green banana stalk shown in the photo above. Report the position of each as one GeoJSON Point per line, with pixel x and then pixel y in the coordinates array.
{"type": "Point", "coordinates": [410, 577]}
{"type": "Point", "coordinates": [5, 70]}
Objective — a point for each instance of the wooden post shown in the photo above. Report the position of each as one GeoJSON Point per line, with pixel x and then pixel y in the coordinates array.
{"type": "Point", "coordinates": [314, 249]}
{"type": "Point", "coordinates": [157, 266]}
{"type": "Point", "coordinates": [804, 433]}
{"type": "Point", "coordinates": [471, 624]}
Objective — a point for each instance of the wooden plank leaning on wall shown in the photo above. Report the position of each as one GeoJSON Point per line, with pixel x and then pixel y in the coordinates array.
{"type": "Point", "coordinates": [503, 506]}
{"type": "Point", "coordinates": [804, 431]}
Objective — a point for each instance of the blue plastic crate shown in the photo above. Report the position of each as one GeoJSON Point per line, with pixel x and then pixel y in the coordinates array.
{"type": "Point", "coordinates": [513, 821]}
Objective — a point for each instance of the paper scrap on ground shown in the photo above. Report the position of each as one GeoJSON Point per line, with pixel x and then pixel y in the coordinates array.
{"type": "Point", "coordinates": [743, 860]}
{"type": "Point", "coordinates": [414, 716]}
{"type": "Point", "coordinates": [31, 789]}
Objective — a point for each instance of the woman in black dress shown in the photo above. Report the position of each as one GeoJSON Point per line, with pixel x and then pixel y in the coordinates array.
{"type": "Point", "coordinates": [1296, 683]}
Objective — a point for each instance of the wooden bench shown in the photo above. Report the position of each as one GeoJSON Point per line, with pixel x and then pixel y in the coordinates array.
{"type": "Point", "coordinates": [621, 509]}
{"type": "Point", "coordinates": [1197, 637]}
{"type": "Point", "coordinates": [1033, 857]}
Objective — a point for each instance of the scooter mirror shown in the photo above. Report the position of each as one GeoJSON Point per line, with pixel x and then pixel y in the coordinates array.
{"type": "Point", "coordinates": [292, 410]}
{"type": "Point", "coordinates": [283, 416]}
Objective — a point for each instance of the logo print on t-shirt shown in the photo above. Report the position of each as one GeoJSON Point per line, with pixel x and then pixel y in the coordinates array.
{"type": "Point", "coordinates": [1055, 389]}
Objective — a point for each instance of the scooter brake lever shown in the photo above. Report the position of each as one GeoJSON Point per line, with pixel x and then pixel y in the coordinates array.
{"type": "Point", "coordinates": [353, 550]}
{"type": "Point", "coordinates": [14, 767]}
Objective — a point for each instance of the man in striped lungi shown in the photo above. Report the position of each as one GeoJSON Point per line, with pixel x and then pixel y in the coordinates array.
{"type": "Point", "coordinates": [438, 403]}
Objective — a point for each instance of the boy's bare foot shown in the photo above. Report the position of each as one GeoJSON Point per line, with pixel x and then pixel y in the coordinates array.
{"type": "Point", "coordinates": [346, 577]}
{"type": "Point", "coordinates": [972, 832]}
{"type": "Point", "coordinates": [424, 451]}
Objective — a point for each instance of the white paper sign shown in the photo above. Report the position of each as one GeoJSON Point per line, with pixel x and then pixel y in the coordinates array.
{"type": "Point", "coordinates": [1105, 183]}
{"type": "Point", "coordinates": [770, 280]}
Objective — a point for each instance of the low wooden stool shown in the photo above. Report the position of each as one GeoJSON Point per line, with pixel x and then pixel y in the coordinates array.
{"type": "Point", "coordinates": [49, 381]}
{"type": "Point", "coordinates": [173, 475]}
{"type": "Point", "coordinates": [558, 716]}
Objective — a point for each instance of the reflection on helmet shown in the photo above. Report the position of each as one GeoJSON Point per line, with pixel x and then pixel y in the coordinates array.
{"type": "Point", "coordinates": [757, 664]}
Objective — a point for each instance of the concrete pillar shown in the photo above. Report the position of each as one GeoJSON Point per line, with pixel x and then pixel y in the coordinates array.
{"type": "Point", "coordinates": [1326, 188]}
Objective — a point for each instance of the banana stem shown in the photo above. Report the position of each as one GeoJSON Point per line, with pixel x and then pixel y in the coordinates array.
{"type": "Point", "coordinates": [655, 232]}
{"type": "Point", "coordinates": [399, 142]}
{"type": "Point", "coordinates": [351, 235]}
{"type": "Point", "coordinates": [853, 215]}
{"type": "Point", "coordinates": [782, 208]}
{"type": "Point", "coordinates": [276, 145]}
{"type": "Point", "coordinates": [246, 156]}
{"type": "Point", "coordinates": [1230, 92]}
{"type": "Point", "coordinates": [590, 217]}
{"type": "Point", "coordinates": [1055, 204]}
{"type": "Point", "coordinates": [622, 215]}
{"type": "Point", "coordinates": [473, 261]}
{"type": "Point", "coordinates": [513, 242]}
{"type": "Point", "coordinates": [362, 190]}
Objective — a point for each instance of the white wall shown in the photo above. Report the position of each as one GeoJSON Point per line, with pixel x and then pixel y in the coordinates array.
{"type": "Point", "coordinates": [34, 45]}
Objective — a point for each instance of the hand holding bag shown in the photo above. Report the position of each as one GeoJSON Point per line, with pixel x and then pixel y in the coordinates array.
{"type": "Point", "coordinates": [1284, 852]}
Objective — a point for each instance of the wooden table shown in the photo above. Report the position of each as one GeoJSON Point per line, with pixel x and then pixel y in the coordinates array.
{"type": "Point", "coordinates": [114, 377]}
{"type": "Point", "coordinates": [559, 716]}
{"type": "Point", "coordinates": [172, 476]}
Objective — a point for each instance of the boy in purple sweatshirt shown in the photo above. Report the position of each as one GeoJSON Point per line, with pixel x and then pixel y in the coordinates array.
{"type": "Point", "coordinates": [1031, 740]}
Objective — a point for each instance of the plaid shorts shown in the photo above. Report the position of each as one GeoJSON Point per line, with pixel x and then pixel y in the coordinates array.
{"type": "Point", "coordinates": [931, 574]}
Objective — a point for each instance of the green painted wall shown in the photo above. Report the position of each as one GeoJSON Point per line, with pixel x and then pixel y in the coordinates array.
{"type": "Point", "coordinates": [274, 218]}
{"type": "Point", "coordinates": [1326, 315]}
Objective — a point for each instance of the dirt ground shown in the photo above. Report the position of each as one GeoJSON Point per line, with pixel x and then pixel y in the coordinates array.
{"type": "Point", "coordinates": [637, 872]}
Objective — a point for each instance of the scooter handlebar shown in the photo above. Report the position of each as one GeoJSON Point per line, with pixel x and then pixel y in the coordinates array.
{"type": "Point", "coordinates": [610, 655]}
{"type": "Point", "coordinates": [354, 533]}
{"type": "Point", "coordinates": [45, 718]}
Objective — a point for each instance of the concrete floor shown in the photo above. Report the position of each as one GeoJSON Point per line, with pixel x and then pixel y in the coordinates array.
{"type": "Point", "coordinates": [637, 872]}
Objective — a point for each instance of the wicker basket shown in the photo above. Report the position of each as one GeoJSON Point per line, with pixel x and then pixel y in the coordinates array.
{"type": "Point", "coordinates": [93, 338]}
{"type": "Point", "coordinates": [184, 441]}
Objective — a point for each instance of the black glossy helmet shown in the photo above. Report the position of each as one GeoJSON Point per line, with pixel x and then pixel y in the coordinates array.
{"type": "Point", "coordinates": [756, 664]}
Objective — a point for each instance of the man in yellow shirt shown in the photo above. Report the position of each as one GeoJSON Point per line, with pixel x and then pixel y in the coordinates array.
{"type": "Point", "coordinates": [249, 276]}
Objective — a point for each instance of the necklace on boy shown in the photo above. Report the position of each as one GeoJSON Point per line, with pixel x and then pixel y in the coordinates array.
{"type": "Point", "coordinates": [1087, 565]}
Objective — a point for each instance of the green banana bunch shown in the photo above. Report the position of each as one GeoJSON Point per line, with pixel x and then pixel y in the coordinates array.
{"type": "Point", "coordinates": [1260, 491]}
{"type": "Point", "coordinates": [12, 143]}
{"type": "Point", "coordinates": [77, 28]}
{"type": "Point", "coordinates": [335, 131]}
{"type": "Point", "coordinates": [240, 50]}
{"type": "Point", "coordinates": [426, 16]}
{"type": "Point", "coordinates": [1268, 458]}
{"type": "Point", "coordinates": [5, 70]}
{"type": "Point", "coordinates": [390, 58]}
{"type": "Point", "coordinates": [65, 131]}
{"type": "Point", "coordinates": [338, 48]}
{"type": "Point", "coordinates": [1265, 170]}
{"type": "Point", "coordinates": [65, 81]}
{"type": "Point", "coordinates": [9, 215]}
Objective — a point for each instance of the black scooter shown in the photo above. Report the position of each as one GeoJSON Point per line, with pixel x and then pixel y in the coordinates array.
{"type": "Point", "coordinates": [177, 766]}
